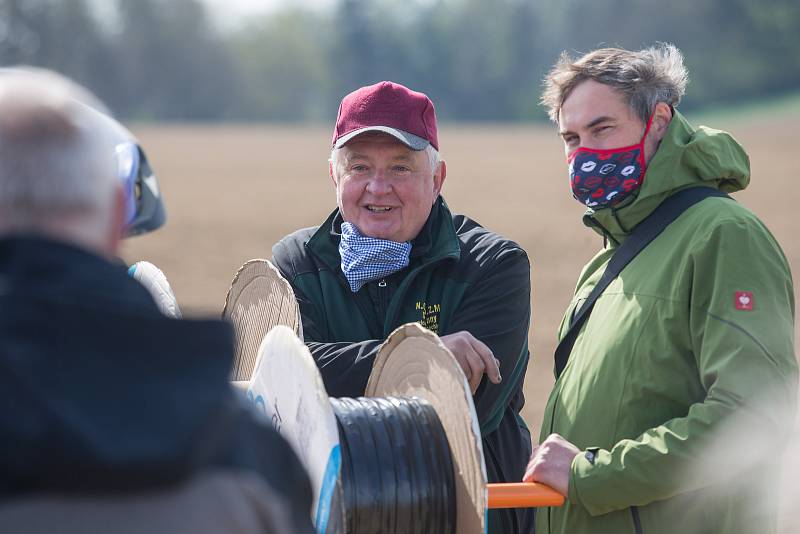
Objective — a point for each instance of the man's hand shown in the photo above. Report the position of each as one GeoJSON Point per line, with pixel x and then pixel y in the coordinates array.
{"type": "Point", "coordinates": [551, 462]}
{"type": "Point", "coordinates": [474, 357]}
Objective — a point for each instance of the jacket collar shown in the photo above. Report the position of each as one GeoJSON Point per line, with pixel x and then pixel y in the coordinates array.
{"type": "Point", "coordinates": [39, 265]}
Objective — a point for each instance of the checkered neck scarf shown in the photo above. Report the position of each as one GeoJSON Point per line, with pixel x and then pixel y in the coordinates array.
{"type": "Point", "coordinates": [368, 258]}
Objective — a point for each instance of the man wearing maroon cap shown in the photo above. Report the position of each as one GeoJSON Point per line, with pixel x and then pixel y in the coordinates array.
{"type": "Point", "coordinates": [392, 253]}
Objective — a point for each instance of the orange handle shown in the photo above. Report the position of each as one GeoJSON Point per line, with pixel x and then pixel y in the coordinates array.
{"type": "Point", "coordinates": [523, 495]}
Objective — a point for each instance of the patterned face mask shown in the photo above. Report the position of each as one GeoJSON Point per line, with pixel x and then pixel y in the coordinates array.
{"type": "Point", "coordinates": [604, 178]}
{"type": "Point", "coordinates": [368, 258]}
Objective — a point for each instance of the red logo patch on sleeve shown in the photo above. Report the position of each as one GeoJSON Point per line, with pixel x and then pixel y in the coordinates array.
{"type": "Point", "coordinates": [743, 300]}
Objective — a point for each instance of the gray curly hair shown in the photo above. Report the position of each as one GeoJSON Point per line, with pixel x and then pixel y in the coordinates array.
{"type": "Point", "coordinates": [645, 77]}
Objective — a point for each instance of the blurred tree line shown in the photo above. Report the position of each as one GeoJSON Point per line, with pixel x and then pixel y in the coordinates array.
{"type": "Point", "coordinates": [477, 59]}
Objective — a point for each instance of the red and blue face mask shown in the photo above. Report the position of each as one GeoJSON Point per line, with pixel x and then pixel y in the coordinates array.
{"type": "Point", "coordinates": [604, 178]}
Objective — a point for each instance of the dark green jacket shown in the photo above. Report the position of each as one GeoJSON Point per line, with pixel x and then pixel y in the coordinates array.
{"type": "Point", "coordinates": [460, 277]}
{"type": "Point", "coordinates": [683, 378]}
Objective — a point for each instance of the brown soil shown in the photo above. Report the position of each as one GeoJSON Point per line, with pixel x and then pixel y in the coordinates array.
{"type": "Point", "coordinates": [231, 192]}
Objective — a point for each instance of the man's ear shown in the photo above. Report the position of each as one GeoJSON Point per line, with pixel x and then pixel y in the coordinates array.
{"type": "Point", "coordinates": [438, 179]}
{"type": "Point", "coordinates": [330, 173]}
{"type": "Point", "coordinates": [662, 117]}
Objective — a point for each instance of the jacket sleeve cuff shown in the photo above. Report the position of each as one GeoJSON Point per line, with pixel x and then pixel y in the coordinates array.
{"type": "Point", "coordinates": [585, 489]}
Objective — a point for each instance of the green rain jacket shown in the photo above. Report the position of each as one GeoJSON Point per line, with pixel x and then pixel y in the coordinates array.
{"type": "Point", "coordinates": [681, 381]}
{"type": "Point", "coordinates": [460, 277]}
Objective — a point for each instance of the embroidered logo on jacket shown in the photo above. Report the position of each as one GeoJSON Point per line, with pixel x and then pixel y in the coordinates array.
{"type": "Point", "coordinates": [429, 315]}
{"type": "Point", "coordinates": [743, 300]}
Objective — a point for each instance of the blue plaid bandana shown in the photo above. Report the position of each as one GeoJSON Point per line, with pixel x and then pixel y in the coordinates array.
{"type": "Point", "coordinates": [368, 258]}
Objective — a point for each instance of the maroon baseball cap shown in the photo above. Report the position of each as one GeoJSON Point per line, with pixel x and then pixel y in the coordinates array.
{"type": "Point", "coordinates": [390, 108]}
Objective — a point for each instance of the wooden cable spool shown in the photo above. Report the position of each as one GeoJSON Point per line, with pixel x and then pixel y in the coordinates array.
{"type": "Point", "coordinates": [413, 363]}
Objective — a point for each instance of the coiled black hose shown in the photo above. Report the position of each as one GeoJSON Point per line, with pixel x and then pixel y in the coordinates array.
{"type": "Point", "coordinates": [397, 472]}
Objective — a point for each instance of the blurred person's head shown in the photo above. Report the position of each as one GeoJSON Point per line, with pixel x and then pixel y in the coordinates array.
{"type": "Point", "coordinates": [385, 162]}
{"type": "Point", "coordinates": [68, 171]}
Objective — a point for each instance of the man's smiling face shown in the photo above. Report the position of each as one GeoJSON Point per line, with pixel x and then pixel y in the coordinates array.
{"type": "Point", "coordinates": [384, 188]}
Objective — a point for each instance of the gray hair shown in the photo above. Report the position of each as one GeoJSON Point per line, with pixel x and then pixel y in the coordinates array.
{"type": "Point", "coordinates": [434, 158]}
{"type": "Point", "coordinates": [57, 171]}
{"type": "Point", "coordinates": [645, 77]}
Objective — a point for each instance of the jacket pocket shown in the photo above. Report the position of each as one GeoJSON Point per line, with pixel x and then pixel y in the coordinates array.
{"type": "Point", "coordinates": [637, 522]}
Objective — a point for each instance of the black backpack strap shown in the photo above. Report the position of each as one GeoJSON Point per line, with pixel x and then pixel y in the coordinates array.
{"type": "Point", "coordinates": [666, 212]}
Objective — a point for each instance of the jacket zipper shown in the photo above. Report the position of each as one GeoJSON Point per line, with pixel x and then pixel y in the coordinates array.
{"type": "Point", "coordinates": [637, 522]}
{"type": "Point", "coordinates": [555, 403]}
{"type": "Point", "coordinates": [552, 423]}
{"type": "Point", "coordinates": [383, 298]}
{"type": "Point", "coordinates": [606, 236]}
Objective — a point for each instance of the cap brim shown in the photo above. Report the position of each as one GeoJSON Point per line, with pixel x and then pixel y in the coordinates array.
{"type": "Point", "coordinates": [414, 142]}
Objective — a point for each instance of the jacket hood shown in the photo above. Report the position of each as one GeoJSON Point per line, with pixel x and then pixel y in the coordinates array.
{"type": "Point", "coordinates": [686, 157]}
